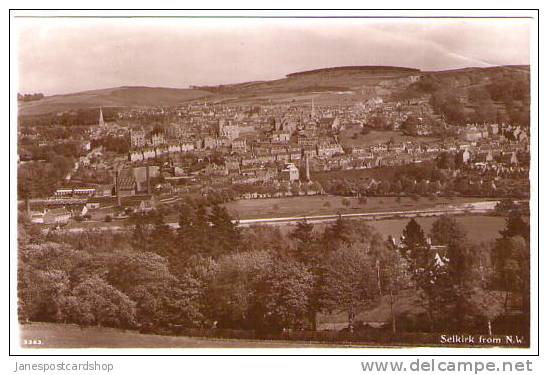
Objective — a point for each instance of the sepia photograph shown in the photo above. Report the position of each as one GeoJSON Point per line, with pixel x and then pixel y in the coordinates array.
{"type": "Point", "coordinates": [273, 181]}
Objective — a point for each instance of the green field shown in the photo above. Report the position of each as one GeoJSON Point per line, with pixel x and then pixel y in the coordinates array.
{"type": "Point", "coordinates": [352, 137]}
{"type": "Point", "coordinates": [330, 204]}
{"type": "Point", "coordinates": [54, 335]}
{"type": "Point", "coordinates": [478, 227]}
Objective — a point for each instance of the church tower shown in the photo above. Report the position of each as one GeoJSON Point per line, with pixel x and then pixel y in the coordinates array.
{"type": "Point", "coordinates": [313, 110]}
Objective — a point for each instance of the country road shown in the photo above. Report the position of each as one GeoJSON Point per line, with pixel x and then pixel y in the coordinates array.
{"type": "Point", "coordinates": [468, 208]}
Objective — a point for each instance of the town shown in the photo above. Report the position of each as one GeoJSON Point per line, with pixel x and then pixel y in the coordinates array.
{"type": "Point", "coordinates": [144, 157]}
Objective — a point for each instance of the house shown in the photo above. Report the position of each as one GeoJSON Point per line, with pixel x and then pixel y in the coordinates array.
{"type": "Point", "coordinates": [239, 144]}
{"type": "Point", "coordinates": [56, 216]}
{"type": "Point", "coordinates": [328, 150]}
{"type": "Point", "coordinates": [466, 156]}
{"type": "Point", "coordinates": [136, 202]}
{"type": "Point", "coordinates": [37, 218]}
{"type": "Point", "coordinates": [146, 205]}
{"type": "Point", "coordinates": [281, 136]}
{"type": "Point", "coordinates": [125, 183]}
{"type": "Point", "coordinates": [290, 173]}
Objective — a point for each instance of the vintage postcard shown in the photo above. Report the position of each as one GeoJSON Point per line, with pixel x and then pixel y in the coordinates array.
{"type": "Point", "coordinates": [274, 181]}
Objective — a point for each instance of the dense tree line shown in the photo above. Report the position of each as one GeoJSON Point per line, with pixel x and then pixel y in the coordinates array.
{"type": "Point", "coordinates": [119, 145]}
{"type": "Point", "coordinates": [29, 97]}
{"type": "Point", "coordinates": [505, 97]}
{"type": "Point", "coordinates": [425, 179]}
{"type": "Point", "coordinates": [40, 179]}
{"type": "Point", "coordinates": [76, 117]}
{"type": "Point", "coordinates": [211, 273]}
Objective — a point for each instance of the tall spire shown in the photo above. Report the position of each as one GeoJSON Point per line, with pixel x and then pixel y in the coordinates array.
{"type": "Point", "coordinates": [101, 120]}
{"type": "Point", "coordinates": [313, 111]}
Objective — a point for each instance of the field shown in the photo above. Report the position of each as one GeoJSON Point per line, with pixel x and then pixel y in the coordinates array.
{"type": "Point", "coordinates": [329, 204]}
{"type": "Point", "coordinates": [478, 228]}
{"type": "Point", "coordinates": [113, 97]}
{"type": "Point", "coordinates": [71, 336]}
{"type": "Point", "coordinates": [352, 137]}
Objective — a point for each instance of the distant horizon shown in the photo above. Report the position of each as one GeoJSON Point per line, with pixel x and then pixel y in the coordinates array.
{"type": "Point", "coordinates": [286, 76]}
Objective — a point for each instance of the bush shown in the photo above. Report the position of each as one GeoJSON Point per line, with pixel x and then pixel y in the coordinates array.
{"type": "Point", "coordinates": [108, 219]}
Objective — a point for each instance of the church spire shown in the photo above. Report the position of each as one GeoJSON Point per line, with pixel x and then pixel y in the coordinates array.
{"type": "Point", "coordinates": [101, 120]}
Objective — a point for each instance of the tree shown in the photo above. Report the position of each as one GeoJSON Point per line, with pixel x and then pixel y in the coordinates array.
{"type": "Point", "coordinates": [229, 291]}
{"type": "Point", "coordinates": [335, 235]}
{"type": "Point", "coordinates": [303, 235]}
{"type": "Point", "coordinates": [488, 304]}
{"type": "Point", "coordinates": [161, 238]}
{"type": "Point", "coordinates": [511, 258]}
{"type": "Point", "coordinates": [348, 281]}
{"type": "Point", "coordinates": [224, 231]}
{"type": "Point", "coordinates": [427, 269]}
{"type": "Point", "coordinates": [515, 226]}
{"type": "Point", "coordinates": [394, 278]}
{"type": "Point", "coordinates": [41, 294]}
{"type": "Point", "coordinates": [414, 246]}
{"type": "Point", "coordinates": [409, 126]}
{"type": "Point", "coordinates": [184, 234]}
{"type": "Point", "coordinates": [445, 161]}
{"type": "Point", "coordinates": [140, 236]}
{"type": "Point", "coordinates": [167, 303]}
{"type": "Point", "coordinates": [95, 302]}
{"type": "Point", "coordinates": [446, 230]}
{"type": "Point", "coordinates": [281, 296]}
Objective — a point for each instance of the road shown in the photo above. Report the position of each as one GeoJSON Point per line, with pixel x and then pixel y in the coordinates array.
{"type": "Point", "coordinates": [467, 208]}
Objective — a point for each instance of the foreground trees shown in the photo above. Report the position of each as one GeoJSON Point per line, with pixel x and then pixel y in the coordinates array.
{"type": "Point", "coordinates": [212, 274]}
{"type": "Point", "coordinates": [348, 281]}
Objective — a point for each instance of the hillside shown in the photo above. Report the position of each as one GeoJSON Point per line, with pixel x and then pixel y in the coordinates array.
{"type": "Point", "coordinates": [320, 80]}
{"type": "Point", "coordinates": [127, 96]}
{"type": "Point", "coordinates": [337, 85]}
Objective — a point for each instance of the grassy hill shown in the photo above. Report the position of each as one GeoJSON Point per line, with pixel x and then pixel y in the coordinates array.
{"type": "Point", "coordinates": [338, 85]}
{"type": "Point", "coordinates": [127, 96]}
{"type": "Point", "coordinates": [320, 80]}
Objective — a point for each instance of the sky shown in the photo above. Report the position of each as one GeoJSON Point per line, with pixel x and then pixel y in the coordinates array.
{"type": "Point", "coordinates": [59, 55]}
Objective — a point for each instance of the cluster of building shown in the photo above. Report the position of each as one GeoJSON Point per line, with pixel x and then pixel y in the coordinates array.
{"type": "Point", "coordinates": [203, 146]}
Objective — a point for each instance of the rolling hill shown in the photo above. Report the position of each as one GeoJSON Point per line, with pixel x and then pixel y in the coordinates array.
{"type": "Point", "coordinates": [319, 80]}
{"type": "Point", "coordinates": [127, 96]}
{"type": "Point", "coordinates": [328, 85]}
